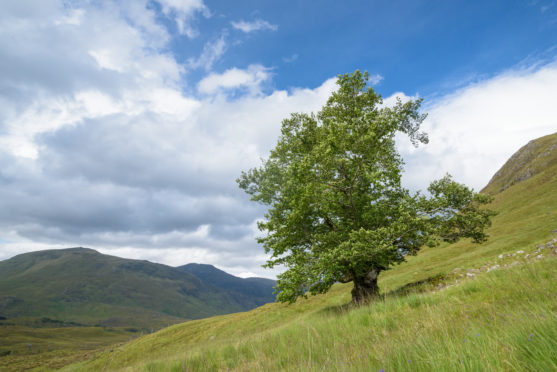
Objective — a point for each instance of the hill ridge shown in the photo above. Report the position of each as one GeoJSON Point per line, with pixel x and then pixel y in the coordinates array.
{"type": "Point", "coordinates": [529, 160]}
{"type": "Point", "coordinates": [85, 286]}
{"type": "Point", "coordinates": [257, 291]}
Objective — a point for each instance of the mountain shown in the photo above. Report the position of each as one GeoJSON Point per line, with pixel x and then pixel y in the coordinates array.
{"type": "Point", "coordinates": [463, 306]}
{"type": "Point", "coordinates": [84, 286]}
{"type": "Point", "coordinates": [535, 157]}
{"type": "Point", "coordinates": [251, 292]}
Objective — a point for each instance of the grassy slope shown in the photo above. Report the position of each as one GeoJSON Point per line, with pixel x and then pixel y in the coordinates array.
{"type": "Point", "coordinates": [505, 319]}
{"type": "Point", "coordinates": [465, 327]}
{"type": "Point", "coordinates": [531, 159]}
{"type": "Point", "coordinates": [54, 347]}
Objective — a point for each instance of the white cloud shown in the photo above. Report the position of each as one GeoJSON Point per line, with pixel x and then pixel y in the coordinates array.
{"type": "Point", "coordinates": [60, 73]}
{"type": "Point", "coordinates": [235, 78]}
{"type": "Point", "coordinates": [73, 17]}
{"type": "Point", "coordinates": [145, 180]}
{"type": "Point", "coordinates": [393, 98]}
{"type": "Point", "coordinates": [375, 79]}
{"type": "Point", "coordinates": [212, 51]}
{"type": "Point", "coordinates": [101, 147]}
{"type": "Point", "coordinates": [257, 25]}
{"type": "Point", "coordinates": [290, 59]}
{"type": "Point", "coordinates": [182, 11]}
{"type": "Point", "coordinates": [475, 130]}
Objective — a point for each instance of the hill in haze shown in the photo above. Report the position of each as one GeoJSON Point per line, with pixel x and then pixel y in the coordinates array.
{"type": "Point", "coordinates": [252, 291]}
{"type": "Point", "coordinates": [84, 286]}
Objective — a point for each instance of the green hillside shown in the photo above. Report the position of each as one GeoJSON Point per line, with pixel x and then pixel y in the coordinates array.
{"type": "Point", "coordinates": [83, 286]}
{"type": "Point", "coordinates": [489, 307]}
{"type": "Point", "coordinates": [51, 346]}
{"type": "Point", "coordinates": [531, 159]}
{"type": "Point", "coordinates": [252, 292]}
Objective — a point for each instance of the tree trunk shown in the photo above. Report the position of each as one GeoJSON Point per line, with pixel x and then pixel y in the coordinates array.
{"type": "Point", "coordinates": [365, 287]}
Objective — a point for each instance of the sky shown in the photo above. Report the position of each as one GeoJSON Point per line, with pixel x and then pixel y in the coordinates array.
{"type": "Point", "coordinates": [124, 124]}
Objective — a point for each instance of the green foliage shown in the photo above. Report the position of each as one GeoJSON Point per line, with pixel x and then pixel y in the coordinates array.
{"type": "Point", "coordinates": [322, 333]}
{"type": "Point", "coordinates": [337, 211]}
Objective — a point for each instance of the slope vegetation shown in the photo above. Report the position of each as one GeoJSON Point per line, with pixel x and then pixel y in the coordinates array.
{"type": "Point", "coordinates": [531, 159]}
{"type": "Point", "coordinates": [84, 286]}
{"type": "Point", "coordinates": [252, 292]}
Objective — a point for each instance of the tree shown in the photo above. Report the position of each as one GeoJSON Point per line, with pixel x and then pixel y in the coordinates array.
{"type": "Point", "coordinates": [337, 211]}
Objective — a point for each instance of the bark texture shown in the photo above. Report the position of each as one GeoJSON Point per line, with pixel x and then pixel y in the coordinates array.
{"type": "Point", "coordinates": [365, 287]}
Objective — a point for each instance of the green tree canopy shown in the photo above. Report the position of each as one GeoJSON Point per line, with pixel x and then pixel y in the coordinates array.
{"type": "Point", "coordinates": [337, 211]}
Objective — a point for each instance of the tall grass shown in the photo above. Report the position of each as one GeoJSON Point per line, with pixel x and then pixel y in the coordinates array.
{"type": "Point", "coordinates": [25, 348]}
{"type": "Point", "coordinates": [504, 320]}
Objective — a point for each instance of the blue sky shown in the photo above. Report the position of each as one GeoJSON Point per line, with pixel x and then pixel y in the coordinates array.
{"type": "Point", "coordinates": [124, 124]}
{"type": "Point", "coordinates": [421, 47]}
